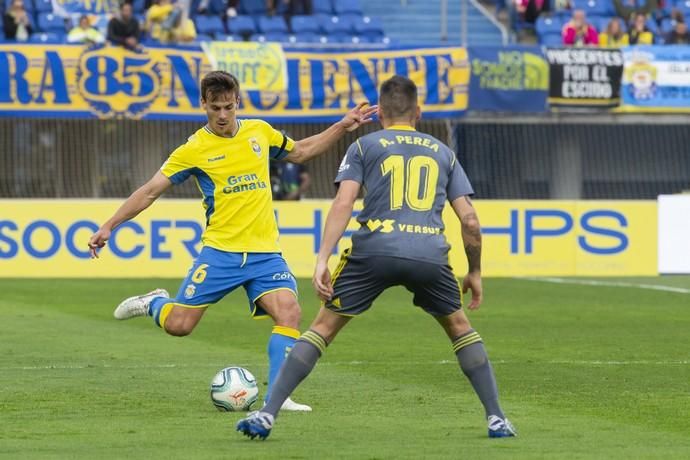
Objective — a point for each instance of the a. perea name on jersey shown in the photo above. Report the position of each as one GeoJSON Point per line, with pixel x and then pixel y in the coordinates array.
{"type": "Point", "coordinates": [244, 183]}
{"type": "Point", "coordinates": [411, 140]}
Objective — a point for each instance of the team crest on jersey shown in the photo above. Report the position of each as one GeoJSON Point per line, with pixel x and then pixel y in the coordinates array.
{"type": "Point", "coordinates": [189, 291]}
{"type": "Point", "coordinates": [255, 146]}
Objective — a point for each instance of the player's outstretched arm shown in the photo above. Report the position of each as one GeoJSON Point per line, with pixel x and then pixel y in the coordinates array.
{"type": "Point", "coordinates": [141, 199]}
{"type": "Point", "coordinates": [472, 240]}
{"type": "Point", "coordinates": [336, 223]}
{"type": "Point", "coordinates": [318, 144]}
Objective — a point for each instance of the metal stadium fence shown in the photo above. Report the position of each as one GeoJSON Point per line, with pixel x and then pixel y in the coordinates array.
{"type": "Point", "coordinates": [505, 158]}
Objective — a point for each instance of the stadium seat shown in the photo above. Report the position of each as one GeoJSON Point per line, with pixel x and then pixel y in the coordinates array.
{"type": "Point", "coordinates": [209, 25]}
{"type": "Point", "coordinates": [253, 7]}
{"type": "Point", "coordinates": [47, 37]}
{"type": "Point", "coordinates": [149, 41]}
{"type": "Point", "coordinates": [366, 25]}
{"type": "Point", "coordinates": [139, 6]}
{"type": "Point", "coordinates": [216, 7]}
{"type": "Point", "coordinates": [48, 22]}
{"type": "Point", "coordinates": [44, 6]}
{"type": "Point", "coordinates": [595, 7]}
{"type": "Point", "coordinates": [347, 7]}
{"type": "Point", "coordinates": [337, 24]}
{"type": "Point", "coordinates": [269, 24]}
{"type": "Point", "coordinates": [243, 25]}
{"type": "Point", "coordinates": [302, 24]}
{"type": "Point", "coordinates": [280, 37]}
{"type": "Point", "coordinates": [322, 7]}
{"type": "Point", "coordinates": [203, 37]}
{"type": "Point", "coordinates": [551, 39]}
{"type": "Point", "coordinates": [306, 37]}
{"type": "Point", "coordinates": [546, 25]}
{"type": "Point", "coordinates": [229, 38]}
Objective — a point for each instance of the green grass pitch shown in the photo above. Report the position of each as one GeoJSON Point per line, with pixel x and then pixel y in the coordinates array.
{"type": "Point", "coordinates": [583, 372]}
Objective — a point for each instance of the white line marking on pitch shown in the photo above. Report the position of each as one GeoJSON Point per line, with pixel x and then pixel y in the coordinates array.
{"type": "Point", "coordinates": [347, 363]}
{"type": "Point", "coordinates": [654, 287]}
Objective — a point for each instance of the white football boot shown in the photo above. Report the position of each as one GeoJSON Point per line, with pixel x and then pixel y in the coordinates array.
{"type": "Point", "coordinates": [291, 406]}
{"type": "Point", "coordinates": [138, 305]}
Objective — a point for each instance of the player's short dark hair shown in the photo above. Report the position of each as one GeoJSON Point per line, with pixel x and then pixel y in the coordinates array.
{"type": "Point", "coordinates": [218, 82]}
{"type": "Point", "coordinates": [398, 97]}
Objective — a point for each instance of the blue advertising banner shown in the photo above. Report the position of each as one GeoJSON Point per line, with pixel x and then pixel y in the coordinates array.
{"type": "Point", "coordinates": [74, 81]}
{"type": "Point", "coordinates": [656, 79]}
{"type": "Point", "coordinates": [508, 79]}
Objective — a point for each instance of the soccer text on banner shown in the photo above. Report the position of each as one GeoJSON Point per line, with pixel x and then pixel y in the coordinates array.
{"type": "Point", "coordinates": [44, 238]}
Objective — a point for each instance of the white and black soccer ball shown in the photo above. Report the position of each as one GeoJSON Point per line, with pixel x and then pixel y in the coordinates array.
{"type": "Point", "coordinates": [234, 389]}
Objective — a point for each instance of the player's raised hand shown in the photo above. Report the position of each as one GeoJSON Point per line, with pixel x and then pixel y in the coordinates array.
{"type": "Point", "coordinates": [97, 241]}
{"type": "Point", "coordinates": [473, 282]}
{"type": "Point", "coordinates": [359, 116]}
{"type": "Point", "coordinates": [322, 281]}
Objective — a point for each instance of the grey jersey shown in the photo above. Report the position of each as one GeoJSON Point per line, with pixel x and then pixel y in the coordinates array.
{"type": "Point", "coordinates": [408, 176]}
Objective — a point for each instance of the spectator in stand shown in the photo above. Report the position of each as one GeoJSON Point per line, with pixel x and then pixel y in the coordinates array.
{"type": "Point", "coordinates": [124, 30]}
{"type": "Point", "coordinates": [84, 33]}
{"type": "Point", "coordinates": [578, 32]}
{"type": "Point", "coordinates": [292, 7]}
{"type": "Point", "coordinates": [679, 35]}
{"type": "Point", "coordinates": [627, 9]}
{"type": "Point", "coordinates": [531, 9]}
{"type": "Point", "coordinates": [16, 22]}
{"type": "Point", "coordinates": [614, 37]}
{"type": "Point", "coordinates": [169, 23]}
{"type": "Point", "coordinates": [639, 33]}
{"type": "Point", "coordinates": [289, 181]}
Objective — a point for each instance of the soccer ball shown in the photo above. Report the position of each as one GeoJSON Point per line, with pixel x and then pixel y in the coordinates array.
{"type": "Point", "coordinates": [234, 389]}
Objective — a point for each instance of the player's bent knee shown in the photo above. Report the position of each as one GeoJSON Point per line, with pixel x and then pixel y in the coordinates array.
{"type": "Point", "coordinates": [289, 314]}
{"type": "Point", "coordinates": [181, 321]}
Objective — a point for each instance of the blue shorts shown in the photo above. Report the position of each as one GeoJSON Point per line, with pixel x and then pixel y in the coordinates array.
{"type": "Point", "coordinates": [217, 273]}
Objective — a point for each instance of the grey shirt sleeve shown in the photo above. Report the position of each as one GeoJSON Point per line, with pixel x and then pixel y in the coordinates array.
{"type": "Point", "coordinates": [352, 166]}
{"type": "Point", "coordinates": [458, 183]}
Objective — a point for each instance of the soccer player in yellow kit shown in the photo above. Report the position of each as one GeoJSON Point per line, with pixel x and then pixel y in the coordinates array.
{"type": "Point", "coordinates": [229, 159]}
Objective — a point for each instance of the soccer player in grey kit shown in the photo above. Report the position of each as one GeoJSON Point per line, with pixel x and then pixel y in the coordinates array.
{"type": "Point", "coordinates": [408, 176]}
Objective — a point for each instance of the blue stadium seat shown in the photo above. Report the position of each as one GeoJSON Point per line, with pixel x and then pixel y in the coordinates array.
{"type": "Point", "coordinates": [229, 38]}
{"type": "Point", "coordinates": [684, 7]}
{"type": "Point", "coordinates": [217, 7]}
{"type": "Point", "coordinates": [337, 24]}
{"type": "Point", "coordinates": [345, 38]}
{"type": "Point", "coordinates": [322, 6]}
{"type": "Point", "coordinates": [268, 24]}
{"type": "Point", "coordinates": [546, 25]}
{"type": "Point", "coordinates": [148, 41]}
{"type": "Point", "coordinates": [243, 25]}
{"type": "Point", "coordinates": [253, 7]}
{"type": "Point", "coordinates": [47, 37]}
{"type": "Point", "coordinates": [347, 7]}
{"type": "Point", "coordinates": [203, 37]}
{"type": "Point", "coordinates": [139, 6]}
{"type": "Point", "coordinates": [551, 39]}
{"type": "Point", "coordinates": [366, 25]}
{"type": "Point", "coordinates": [44, 6]}
{"type": "Point", "coordinates": [307, 37]}
{"type": "Point", "coordinates": [595, 7]}
{"type": "Point", "coordinates": [48, 22]}
{"type": "Point", "coordinates": [301, 24]}
{"type": "Point", "coordinates": [210, 25]}
{"type": "Point", "coordinates": [280, 37]}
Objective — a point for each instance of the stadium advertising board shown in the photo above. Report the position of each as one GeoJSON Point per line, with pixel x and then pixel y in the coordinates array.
{"type": "Point", "coordinates": [508, 79]}
{"type": "Point", "coordinates": [584, 76]}
{"type": "Point", "coordinates": [48, 238]}
{"type": "Point", "coordinates": [656, 79]}
{"type": "Point", "coordinates": [162, 83]}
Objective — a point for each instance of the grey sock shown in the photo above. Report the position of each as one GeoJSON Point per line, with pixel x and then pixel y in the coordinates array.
{"type": "Point", "coordinates": [299, 363]}
{"type": "Point", "coordinates": [476, 366]}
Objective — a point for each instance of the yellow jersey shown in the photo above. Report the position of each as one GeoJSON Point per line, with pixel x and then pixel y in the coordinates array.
{"type": "Point", "coordinates": [233, 177]}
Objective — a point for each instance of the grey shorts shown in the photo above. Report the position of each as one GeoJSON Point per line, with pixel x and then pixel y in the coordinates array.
{"type": "Point", "coordinates": [359, 280]}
